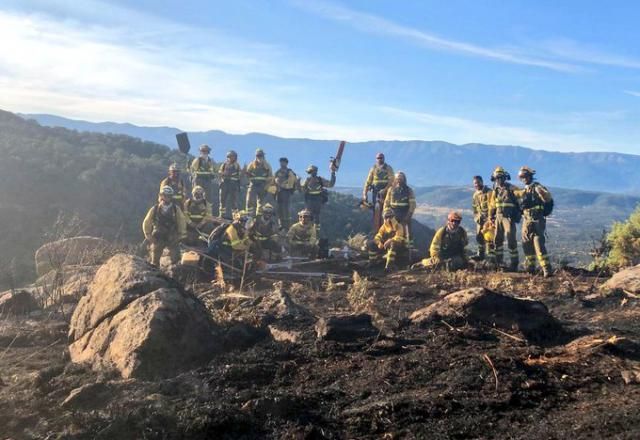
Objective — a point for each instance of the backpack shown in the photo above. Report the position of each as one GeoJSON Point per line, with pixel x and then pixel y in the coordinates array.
{"type": "Point", "coordinates": [215, 238]}
{"type": "Point", "coordinates": [548, 208]}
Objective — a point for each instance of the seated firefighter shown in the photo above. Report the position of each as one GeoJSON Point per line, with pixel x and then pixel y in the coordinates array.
{"type": "Point", "coordinates": [198, 214]}
{"type": "Point", "coordinates": [231, 246]}
{"type": "Point", "coordinates": [447, 248]}
{"type": "Point", "coordinates": [390, 241]}
{"type": "Point", "coordinates": [263, 233]}
{"type": "Point", "coordinates": [302, 240]}
{"type": "Point", "coordinates": [164, 226]}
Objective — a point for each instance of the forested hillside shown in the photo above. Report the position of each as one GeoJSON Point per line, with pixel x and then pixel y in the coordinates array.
{"type": "Point", "coordinates": [96, 184]}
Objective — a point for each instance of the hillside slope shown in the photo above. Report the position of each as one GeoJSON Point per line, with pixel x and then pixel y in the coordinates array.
{"type": "Point", "coordinates": [426, 162]}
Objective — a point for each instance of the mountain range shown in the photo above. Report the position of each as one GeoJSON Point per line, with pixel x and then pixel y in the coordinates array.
{"type": "Point", "coordinates": [427, 163]}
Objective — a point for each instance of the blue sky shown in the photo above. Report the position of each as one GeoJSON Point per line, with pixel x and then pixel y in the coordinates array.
{"type": "Point", "coordinates": [551, 75]}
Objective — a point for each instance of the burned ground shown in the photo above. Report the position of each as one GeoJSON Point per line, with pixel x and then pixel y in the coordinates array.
{"type": "Point", "coordinates": [438, 380]}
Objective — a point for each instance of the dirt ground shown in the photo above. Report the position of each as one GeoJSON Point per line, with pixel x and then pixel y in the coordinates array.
{"type": "Point", "coordinates": [437, 382]}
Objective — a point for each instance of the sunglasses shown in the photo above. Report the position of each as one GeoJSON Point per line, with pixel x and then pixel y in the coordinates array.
{"type": "Point", "coordinates": [455, 221]}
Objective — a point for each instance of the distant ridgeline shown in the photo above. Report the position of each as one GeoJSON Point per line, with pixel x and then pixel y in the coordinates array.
{"type": "Point", "coordinates": [108, 181]}
{"type": "Point", "coordinates": [426, 163]}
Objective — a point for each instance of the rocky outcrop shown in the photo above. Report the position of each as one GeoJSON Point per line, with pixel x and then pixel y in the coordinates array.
{"type": "Point", "coordinates": [627, 280]}
{"type": "Point", "coordinates": [480, 306]}
{"type": "Point", "coordinates": [141, 323]}
{"type": "Point", "coordinates": [82, 251]}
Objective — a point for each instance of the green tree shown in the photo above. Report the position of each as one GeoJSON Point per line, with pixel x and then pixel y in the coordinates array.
{"type": "Point", "coordinates": [624, 242]}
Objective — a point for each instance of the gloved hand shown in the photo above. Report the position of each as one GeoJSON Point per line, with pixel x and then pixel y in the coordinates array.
{"type": "Point", "coordinates": [387, 244]}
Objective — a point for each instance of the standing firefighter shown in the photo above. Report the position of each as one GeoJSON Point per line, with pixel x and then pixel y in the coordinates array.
{"type": "Point", "coordinates": [536, 203]}
{"type": "Point", "coordinates": [315, 193]}
{"type": "Point", "coordinates": [176, 183]}
{"type": "Point", "coordinates": [389, 241]}
{"type": "Point", "coordinates": [229, 185]}
{"type": "Point", "coordinates": [164, 227]}
{"type": "Point", "coordinates": [504, 213]}
{"type": "Point", "coordinates": [447, 248]}
{"type": "Point", "coordinates": [302, 240]}
{"type": "Point", "coordinates": [286, 182]}
{"type": "Point", "coordinates": [263, 232]}
{"type": "Point", "coordinates": [400, 199]}
{"type": "Point", "coordinates": [259, 173]}
{"type": "Point", "coordinates": [379, 180]}
{"type": "Point", "coordinates": [198, 214]}
{"type": "Point", "coordinates": [480, 205]}
{"type": "Point", "coordinates": [203, 172]}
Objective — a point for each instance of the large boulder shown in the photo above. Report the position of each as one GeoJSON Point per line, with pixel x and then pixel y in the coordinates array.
{"type": "Point", "coordinates": [121, 280]}
{"type": "Point", "coordinates": [157, 335]}
{"type": "Point", "coordinates": [141, 323]}
{"type": "Point", "coordinates": [17, 302]}
{"type": "Point", "coordinates": [82, 251]}
{"type": "Point", "coordinates": [480, 306]}
{"type": "Point", "coordinates": [627, 280]}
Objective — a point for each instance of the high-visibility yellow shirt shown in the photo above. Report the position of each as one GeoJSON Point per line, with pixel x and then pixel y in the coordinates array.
{"type": "Point", "coordinates": [379, 177]}
{"type": "Point", "coordinates": [480, 203]}
{"type": "Point", "coordinates": [390, 229]}
{"type": "Point", "coordinates": [302, 234]}
{"type": "Point", "coordinates": [258, 172]}
{"type": "Point", "coordinates": [232, 238]}
{"type": "Point", "coordinates": [448, 244]}
{"type": "Point", "coordinates": [400, 197]}
{"type": "Point", "coordinates": [197, 211]}
{"type": "Point", "coordinates": [203, 167]}
{"type": "Point", "coordinates": [151, 219]}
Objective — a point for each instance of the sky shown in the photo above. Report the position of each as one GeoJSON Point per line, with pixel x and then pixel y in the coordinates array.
{"type": "Point", "coordinates": [561, 76]}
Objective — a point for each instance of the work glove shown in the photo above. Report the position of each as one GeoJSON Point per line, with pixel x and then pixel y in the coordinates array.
{"type": "Point", "coordinates": [387, 244]}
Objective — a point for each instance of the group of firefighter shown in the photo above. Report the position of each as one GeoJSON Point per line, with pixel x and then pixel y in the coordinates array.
{"type": "Point", "coordinates": [266, 233]}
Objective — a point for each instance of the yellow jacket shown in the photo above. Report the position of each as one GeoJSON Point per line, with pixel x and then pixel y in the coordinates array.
{"type": "Point", "coordinates": [178, 189]}
{"type": "Point", "coordinates": [390, 230]}
{"type": "Point", "coordinates": [286, 179]}
{"type": "Point", "coordinates": [174, 228]}
{"type": "Point", "coordinates": [302, 234]}
{"type": "Point", "coordinates": [203, 168]}
{"type": "Point", "coordinates": [379, 178]}
{"type": "Point", "coordinates": [258, 172]}
{"type": "Point", "coordinates": [448, 244]}
{"type": "Point", "coordinates": [398, 197]}
{"type": "Point", "coordinates": [480, 204]}
{"type": "Point", "coordinates": [232, 238]}
{"type": "Point", "coordinates": [504, 200]}
{"type": "Point", "coordinates": [229, 171]}
{"type": "Point", "coordinates": [197, 212]}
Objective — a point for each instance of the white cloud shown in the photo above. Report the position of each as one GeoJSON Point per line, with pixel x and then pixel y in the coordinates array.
{"type": "Point", "coordinates": [573, 51]}
{"type": "Point", "coordinates": [378, 25]}
{"type": "Point", "coordinates": [632, 93]}
{"type": "Point", "coordinates": [461, 130]}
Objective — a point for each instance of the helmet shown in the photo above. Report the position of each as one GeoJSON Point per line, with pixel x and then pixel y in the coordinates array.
{"type": "Point", "coordinates": [312, 169]}
{"type": "Point", "coordinates": [488, 235]}
{"type": "Point", "coordinates": [259, 152]}
{"type": "Point", "coordinates": [205, 147]}
{"type": "Point", "coordinates": [525, 170]}
{"type": "Point", "coordinates": [500, 172]}
{"type": "Point", "coordinates": [402, 175]}
{"type": "Point", "coordinates": [388, 213]}
{"type": "Point", "coordinates": [166, 191]}
{"type": "Point", "coordinates": [240, 216]}
{"type": "Point", "coordinates": [267, 209]}
{"type": "Point", "coordinates": [197, 190]}
{"type": "Point", "coordinates": [305, 213]}
{"type": "Point", "coordinates": [232, 153]}
{"type": "Point", "coordinates": [174, 167]}
{"type": "Point", "coordinates": [380, 156]}
{"type": "Point", "coordinates": [454, 216]}
{"type": "Point", "coordinates": [284, 159]}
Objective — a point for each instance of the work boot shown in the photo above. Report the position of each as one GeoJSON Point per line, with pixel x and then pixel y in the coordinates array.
{"type": "Point", "coordinates": [513, 267]}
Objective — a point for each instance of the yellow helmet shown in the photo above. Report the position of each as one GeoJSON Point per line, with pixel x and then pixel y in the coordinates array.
{"type": "Point", "coordinates": [197, 190]}
{"type": "Point", "coordinates": [500, 172]}
{"type": "Point", "coordinates": [240, 216]}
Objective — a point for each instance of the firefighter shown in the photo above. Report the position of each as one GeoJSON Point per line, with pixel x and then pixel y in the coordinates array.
{"type": "Point", "coordinates": [198, 214]}
{"type": "Point", "coordinates": [234, 243]}
{"type": "Point", "coordinates": [259, 173]}
{"type": "Point", "coordinates": [286, 183]}
{"type": "Point", "coordinates": [203, 172]}
{"type": "Point", "coordinates": [176, 183]}
{"type": "Point", "coordinates": [302, 239]}
{"type": "Point", "coordinates": [229, 173]}
{"type": "Point", "coordinates": [379, 180]}
{"type": "Point", "coordinates": [480, 206]}
{"type": "Point", "coordinates": [400, 199]}
{"type": "Point", "coordinates": [504, 213]}
{"type": "Point", "coordinates": [534, 200]}
{"type": "Point", "coordinates": [263, 232]}
{"type": "Point", "coordinates": [315, 192]}
{"type": "Point", "coordinates": [447, 248]}
{"type": "Point", "coordinates": [388, 242]}
{"type": "Point", "coordinates": [164, 226]}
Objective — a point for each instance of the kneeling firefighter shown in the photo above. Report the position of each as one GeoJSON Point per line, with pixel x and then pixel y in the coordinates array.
{"type": "Point", "coordinates": [263, 233]}
{"type": "Point", "coordinates": [302, 239]}
{"type": "Point", "coordinates": [388, 242]}
{"type": "Point", "coordinates": [447, 250]}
